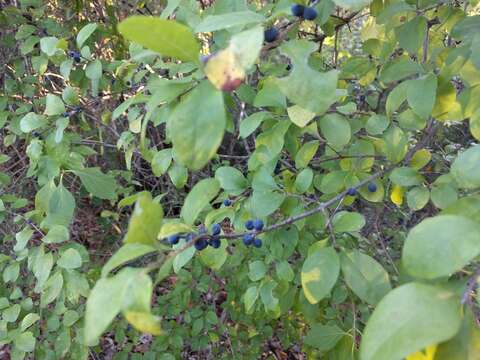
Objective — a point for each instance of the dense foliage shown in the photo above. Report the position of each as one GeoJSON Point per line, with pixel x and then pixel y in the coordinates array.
{"type": "Point", "coordinates": [237, 179]}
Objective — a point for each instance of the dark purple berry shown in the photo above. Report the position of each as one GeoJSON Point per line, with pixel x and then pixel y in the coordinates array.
{"type": "Point", "coordinates": [77, 58]}
{"type": "Point", "coordinates": [227, 202]}
{"type": "Point", "coordinates": [372, 187]}
{"type": "Point", "coordinates": [248, 239]}
{"type": "Point", "coordinates": [270, 35]}
{"type": "Point", "coordinates": [201, 244]}
{"type": "Point", "coordinates": [249, 225]}
{"type": "Point", "coordinates": [351, 192]}
{"type": "Point", "coordinates": [173, 239]}
{"type": "Point", "coordinates": [309, 13]}
{"type": "Point", "coordinates": [257, 242]}
{"type": "Point", "coordinates": [216, 228]}
{"type": "Point", "coordinates": [258, 225]}
{"type": "Point", "coordinates": [215, 242]}
{"type": "Point", "coordinates": [297, 10]}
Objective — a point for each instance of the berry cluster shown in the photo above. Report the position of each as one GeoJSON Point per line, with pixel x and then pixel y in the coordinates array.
{"type": "Point", "coordinates": [306, 12]}
{"type": "Point", "coordinates": [371, 187]}
{"type": "Point", "coordinates": [250, 238]}
{"type": "Point", "coordinates": [75, 56]}
{"type": "Point", "coordinates": [75, 110]}
{"type": "Point", "coordinates": [213, 240]}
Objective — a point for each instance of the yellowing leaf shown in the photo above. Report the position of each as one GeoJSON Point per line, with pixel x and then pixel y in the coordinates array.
{"type": "Point", "coordinates": [421, 158]}
{"type": "Point", "coordinates": [144, 322]}
{"type": "Point", "coordinates": [397, 195]}
{"type": "Point", "coordinates": [427, 354]}
{"type": "Point", "coordinates": [223, 70]}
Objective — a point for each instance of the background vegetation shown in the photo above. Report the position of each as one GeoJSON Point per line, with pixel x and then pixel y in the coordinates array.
{"type": "Point", "coordinates": [333, 142]}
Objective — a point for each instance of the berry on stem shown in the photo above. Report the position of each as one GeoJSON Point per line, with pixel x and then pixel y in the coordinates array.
{"type": "Point", "coordinates": [248, 239]}
{"type": "Point", "coordinates": [270, 35]}
{"type": "Point", "coordinates": [216, 228]}
{"type": "Point", "coordinates": [201, 244]}
{"type": "Point", "coordinates": [297, 10]}
{"type": "Point", "coordinates": [352, 192]}
{"type": "Point", "coordinates": [227, 202]}
{"type": "Point", "coordinates": [215, 242]}
{"type": "Point", "coordinates": [257, 242]}
{"type": "Point", "coordinates": [173, 239]}
{"type": "Point", "coordinates": [249, 225]}
{"type": "Point", "coordinates": [372, 187]}
{"type": "Point", "coordinates": [309, 13]}
{"type": "Point", "coordinates": [258, 225]}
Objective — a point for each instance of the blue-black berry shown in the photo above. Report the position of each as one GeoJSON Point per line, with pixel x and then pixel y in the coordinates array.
{"type": "Point", "coordinates": [248, 239]}
{"type": "Point", "coordinates": [352, 192]}
{"type": "Point", "coordinates": [249, 225]}
{"type": "Point", "coordinates": [257, 242]}
{"type": "Point", "coordinates": [201, 244]}
{"type": "Point", "coordinates": [215, 242]}
{"type": "Point", "coordinates": [270, 35]}
{"type": "Point", "coordinates": [309, 13]}
{"type": "Point", "coordinates": [227, 202]}
{"type": "Point", "coordinates": [65, 114]}
{"type": "Point", "coordinates": [297, 10]}
{"type": "Point", "coordinates": [202, 230]}
{"type": "Point", "coordinates": [173, 239]}
{"type": "Point", "coordinates": [372, 187]}
{"type": "Point", "coordinates": [216, 228]}
{"type": "Point", "coordinates": [258, 225]}
{"type": "Point", "coordinates": [77, 58]}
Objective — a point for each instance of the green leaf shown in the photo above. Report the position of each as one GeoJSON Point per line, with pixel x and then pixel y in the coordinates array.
{"type": "Point", "coordinates": [182, 258]}
{"type": "Point", "coordinates": [246, 47]}
{"type": "Point", "coordinates": [125, 254]}
{"type": "Point", "coordinates": [440, 246]}
{"type": "Point", "coordinates": [465, 345]}
{"type": "Point", "coordinates": [97, 183]}
{"type": "Point", "coordinates": [418, 197]}
{"type": "Point", "coordinates": [52, 289]}
{"type": "Point", "coordinates": [410, 35]}
{"type": "Point", "coordinates": [319, 274]}
{"type": "Point", "coordinates": [196, 126]}
{"type": "Point", "coordinates": [465, 168]}
{"type": "Point", "coordinates": [323, 337]}
{"type": "Point", "coordinates": [396, 144]}
{"type": "Point", "coordinates": [257, 270]}
{"type": "Point", "coordinates": [29, 320]}
{"type": "Point", "coordinates": [408, 319]}
{"type": "Point", "coordinates": [228, 20]}
{"type": "Point", "coordinates": [32, 121]}
{"type": "Point", "coordinates": [231, 179]}
{"type": "Point", "coordinates": [306, 153]}
{"type": "Point", "coordinates": [303, 180]}
{"type": "Point", "coordinates": [54, 105]}
{"type": "Point", "coordinates": [70, 259]}
{"type": "Point", "coordinates": [25, 341]}
{"type": "Point", "coordinates": [269, 300]}
{"type": "Point", "coordinates": [145, 222]}
{"type": "Point", "coordinates": [178, 175]}
{"type": "Point", "coordinates": [215, 258]}
{"type": "Point", "coordinates": [105, 302]}
{"type": "Point", "coordinates": [376, 124]}
{"type": "Point", "coordinates": [167, 37]}
{"type": "Point", "coordinates": [365, 276]}
{"type": "Point", "coordinates": [198, 198]}
{"type": "Point", "coordinates": [311, 90]}
{"type": "Point", "coordinates": [11, 313]}
{"type": "Point", "coordinates": [251, 123]}
{"type": "Point", "coordinates": [443, 195]}
{"type": "Point", "coordinates": [56, 234]}
{"type": "Point", "coordinates": [421, 94]}
{"type": "Point", "coordinates": [264, 203]}
{"type": "Point", "coordinates": [406, 176]}
{"type": "Point", "coordinates": [85, 33]}
{"type": "Point", "coordinates": [161, 161]}
{"type": "Point", "coordinates": [249, 298]}
{"type": "Point", "coordinates": [11, 272]}
{"type": "Point", "coordinates": [336, 130]}
{"type": "Point", "coordinates": [93, 71]}
{"type": "Point", "coordinates": [300, 116]}
{"type": "Point", "coordinates": [345, 221]}
{"type": "Point", "coordinates": [48, 45]}
{"type": "Point", "coordinates": [60, 207]}
{"type": "Point", "coordinates": [398, 69]}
